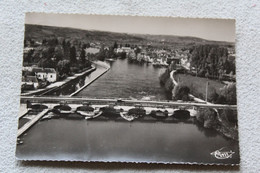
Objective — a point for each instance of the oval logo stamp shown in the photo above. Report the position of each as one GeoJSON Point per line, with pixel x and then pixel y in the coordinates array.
{"type": "Point", "coordinates": [222, 154]}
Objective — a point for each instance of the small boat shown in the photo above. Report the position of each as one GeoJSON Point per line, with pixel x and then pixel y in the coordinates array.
{"type": "Point", "coordinates": [126, 116]}
{"type": "Point", "coordinates": [46, 117]}
{"type": "Point", "coordinates": [137, 112]}
{"type": "Point", "coordinates": [88, 111]}
{"type": "Point", "coordinates": [63, 108]}
{"type": "Point", "coordinates": [160, 112]}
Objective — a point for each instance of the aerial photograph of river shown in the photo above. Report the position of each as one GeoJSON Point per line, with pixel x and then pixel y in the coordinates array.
{"type": "Point", "coordinates": [112, 95]}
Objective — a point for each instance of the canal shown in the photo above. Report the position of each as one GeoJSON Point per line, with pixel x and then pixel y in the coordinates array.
{"type": "Point", "coordinates": [119, 140]}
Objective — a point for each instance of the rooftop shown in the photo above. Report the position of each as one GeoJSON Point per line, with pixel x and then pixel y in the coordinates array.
{"type": "Point", "coordinates": [29, 79]}
{"type": "Point", "coordinates": [44, 70]}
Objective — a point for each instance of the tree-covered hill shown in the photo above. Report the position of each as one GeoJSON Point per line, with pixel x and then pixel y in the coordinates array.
{"type": "Point", "coordinates": [39, 32]}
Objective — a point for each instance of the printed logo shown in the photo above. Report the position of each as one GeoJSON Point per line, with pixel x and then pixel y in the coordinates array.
{"type": "Point", "coordinates": [220, 154]}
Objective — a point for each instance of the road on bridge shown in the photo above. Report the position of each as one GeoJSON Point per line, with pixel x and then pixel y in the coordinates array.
{"type": "Point", "coordinates": [80, 100]}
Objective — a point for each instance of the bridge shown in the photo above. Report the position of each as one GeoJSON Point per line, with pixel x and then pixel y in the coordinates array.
{"type": "Point", "coordinates": [80, 100]}
{"type": "Point", "coordinates": [51, 101]}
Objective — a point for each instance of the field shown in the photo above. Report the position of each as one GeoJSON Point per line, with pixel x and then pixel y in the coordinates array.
{"type": "Point", "coordinates": [197, 85]}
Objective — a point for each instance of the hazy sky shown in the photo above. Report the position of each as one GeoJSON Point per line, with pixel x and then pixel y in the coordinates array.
{"type": "Point", "coordinates": [210, 29]}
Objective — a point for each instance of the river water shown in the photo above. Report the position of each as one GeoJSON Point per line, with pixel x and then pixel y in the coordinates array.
{"type": "Point", "coordinates": [62, 139]}
{"type": "Point", "coordinates": [128, 80]}
{"type": "Point", "coordinates": [114, 140]}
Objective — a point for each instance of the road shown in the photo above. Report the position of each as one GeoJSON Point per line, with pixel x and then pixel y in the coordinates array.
{"type": "Point", "coordinates": [80, 100]}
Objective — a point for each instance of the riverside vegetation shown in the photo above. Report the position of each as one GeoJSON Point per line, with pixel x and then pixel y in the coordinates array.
{"type": "Point", "coordinates": [207, 59]}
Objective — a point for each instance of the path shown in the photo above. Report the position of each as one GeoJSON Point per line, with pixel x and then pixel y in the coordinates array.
{"type": "Point", "coordinates": [57, 84]}
{"type": "Point", "coordinates": [32, 122]}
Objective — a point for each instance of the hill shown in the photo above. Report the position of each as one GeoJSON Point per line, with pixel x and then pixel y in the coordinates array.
{"type": "Point", "coordinates": [39, 32]}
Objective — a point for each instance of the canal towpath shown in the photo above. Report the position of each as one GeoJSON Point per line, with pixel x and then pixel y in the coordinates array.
{"type": "Point", "coordinates": [97, 63]}
{"type": "Point", "coordinates": [31, 122]}
{"type": "Point", "coordinates": [57, 84]}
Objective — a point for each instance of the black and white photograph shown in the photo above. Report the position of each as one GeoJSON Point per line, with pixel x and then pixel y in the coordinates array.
{"type": "Point", "coordinates": [106, 88]}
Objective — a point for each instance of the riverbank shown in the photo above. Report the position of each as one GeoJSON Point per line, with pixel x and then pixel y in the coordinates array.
{"type": "Point", "coordinates": [98, 63]}
{"type": "Point", "coordinates": [58, 84]}
{"type": "Point", "coordinates": [216, 122]}
{"type": "Point", "coordinates": [198, 86]}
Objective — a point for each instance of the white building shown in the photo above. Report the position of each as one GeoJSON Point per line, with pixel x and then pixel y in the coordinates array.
{"type": "Point", "coordinates": [123, 49]}
{"type": "Point", "coordinates": [48, 74]}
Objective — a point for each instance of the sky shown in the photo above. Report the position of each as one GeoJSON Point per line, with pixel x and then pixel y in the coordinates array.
{"type": "Point", "coordinates": [210, 29]}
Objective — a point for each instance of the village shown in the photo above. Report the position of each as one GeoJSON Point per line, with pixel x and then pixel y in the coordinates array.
{"type": "Point", "coordinates": [39, 70]}
{"type": "Point", "coordinates": [54, 59]}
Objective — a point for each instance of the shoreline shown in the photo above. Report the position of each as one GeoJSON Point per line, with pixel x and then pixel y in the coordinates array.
{"type": "Point", "coordinates": [57, 84]}
{"type": "Point", "coordinates": [222, 127]}
{"type": "Point", "coordinates": [87, 84]}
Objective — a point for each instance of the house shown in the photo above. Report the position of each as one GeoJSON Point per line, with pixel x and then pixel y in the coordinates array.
{"type": "Point", "coordinates": [48, 74]}
{"type": "Point", "coordinates": [30, 82]}
{"type": "Point", "coordinates": [91, 50]}
{"type": "Point", "coordinates": [123, 49]}
{"type": "Point", "coordinates": [174, 59]}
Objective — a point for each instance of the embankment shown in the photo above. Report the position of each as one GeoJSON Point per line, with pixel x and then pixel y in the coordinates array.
{"type": "Point", "coordinates": [58, 84]}
{"type": "Point", "coordinates": [97, 63]}
{"type": "Point", "coordinates": [208, 118]}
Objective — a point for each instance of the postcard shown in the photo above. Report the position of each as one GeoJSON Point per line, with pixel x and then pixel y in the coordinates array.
{"type": "Point", "coordinates": [128, 89]}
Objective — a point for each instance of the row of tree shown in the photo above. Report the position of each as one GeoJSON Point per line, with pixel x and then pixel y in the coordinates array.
{"type": "Point", "coordinates": [211, 61]}
{"type": "Point", "coordinates": [61, 55]}
{"type": "Point", "coordinates": [226, 95]}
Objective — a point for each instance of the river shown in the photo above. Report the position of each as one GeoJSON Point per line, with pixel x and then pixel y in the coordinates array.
{"type": "Point", "coordinates": [119, 140]}
{"type": "Point", "coordinates": [128, 80]}
{"type": "Point", "coordinates": [81, 140]}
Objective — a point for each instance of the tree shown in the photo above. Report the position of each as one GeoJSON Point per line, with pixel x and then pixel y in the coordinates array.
{"type": "Point", "coordinates": [44, 41]}
{"type": "Point", "coordinates": [181, 92]}
{"type": "Point", "coordinates": [213, 95]}
{"type": "Point", "coordinates": [73, 54]}
{"type": "Point", "coordinates": [83, 56]}
{"type": "Point", "coordinates": [46, 63]}
{"type": "Point", "coordinates": [58, 53]}
{"type": "Point", "coordinates": [102, 54]}
{"type": "Point", "coordinates": [63, 67]}
{"type": "Point", "coordinates": [29, 56]}
{"type": "Point", "coordinates": [207, 59]}
{"type": "Point", "coordinates": [115, 45]}
{"type": "Point", "coordinates": [207, 116]}
{"type": "Point", "coordinates": [137, 50]}
{"type": "Point", "coordinates": [229, 92]}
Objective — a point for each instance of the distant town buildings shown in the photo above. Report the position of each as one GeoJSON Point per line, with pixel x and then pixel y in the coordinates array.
{"type": "Point", "coordinates": [123, 49]}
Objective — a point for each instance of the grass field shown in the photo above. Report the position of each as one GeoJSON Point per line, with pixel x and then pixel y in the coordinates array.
{"type": "Point", "coordinates": [197, 85]}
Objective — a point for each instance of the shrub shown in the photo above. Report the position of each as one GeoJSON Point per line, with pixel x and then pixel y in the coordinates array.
{"type": "Point", "coordinates": [181, 92]}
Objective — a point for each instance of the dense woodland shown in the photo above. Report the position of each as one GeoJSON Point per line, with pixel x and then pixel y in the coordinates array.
{"type": "Point", "coordinates": [61, 54]}
{"type": "Point", "coordinates": [212, 61]}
